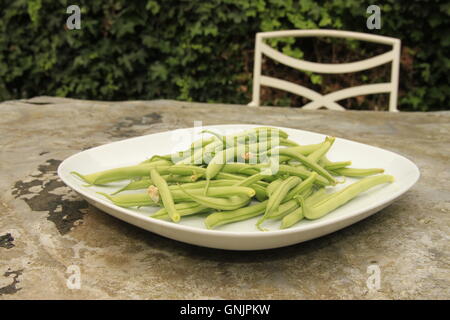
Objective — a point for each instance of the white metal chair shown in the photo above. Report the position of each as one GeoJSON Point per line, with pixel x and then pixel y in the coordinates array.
{"type": "Point", "coordinates": [329, 100]}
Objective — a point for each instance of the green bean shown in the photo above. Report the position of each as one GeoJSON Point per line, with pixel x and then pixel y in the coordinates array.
{"type": "Point", "coordinates": [196, 145]}
{"type": "Point", "coordinates": [265, 131]}
{"type": "Point", "coordinates": [198, 156]}
{"type": "Point", "coordinates": [284, 209]}
{"type": "Point", "coordinates": [231, 203]}
{"type": "Point", "coordinates": [278, 195]}
{"type": "Point", "coordinates": [186, 170]}
{"type": "Point", "coordinates": [306, 193]}
{"type": "Point", "coordinates": [308, 183]}
{"type": "Point", "coordinates": [145, 183]}
{"type": "Point", "coordinates": [201, 184]}
{"type": "Point", "coordinates": [259, 189]}
{"type": "Point", "coordinates": [135, 185]}
{"type": "Point", "coordinates": [216, 164]}
{"type": "Point", "coordinates": [354, 172]}
{"type": "Point", "coordinates": [231, 176]}
{"type": "Point", "coordinates": [219, 137]}
{"type": "Point", "coordinates": [202, 142]}
{"type": "Point", "coordinates": [221, 192]}
{"type": "Point", "coordinates": [292, 218]}
{"type": "Point", "coordinates": [308, 163]}
{"type": "Point", "coordinates": [287, 142]}
{"type": "Point", "coordinates": [182, 179]}
{"type": "Point", "coordinates": [178, 206]}
{"type": "Point", "coordinates": [246, 169]}
{"type": "Point", "coordinates": [300, 172]}
{"type": "Point", "coordinates": [165, 195]}
{"type": "Point", "coordinates": [222, 157]}
{"type": "Point", "coordinates": [337, 165]}
{"type": "Point", "coordinates": [288, 205]}
{"type": "Point", "coordinates": [185, 212]}
{"type": "Point", "coordinates": [181, 155]}
{"type": "Point", "coordinates": [283, 159]}
{"type": "Point", "coordinates": [224, 217]}
{"type": "Point", "coordinates": [184, 209]}
{"type": "Point", "coordinates": [330, 165]}
{"type": "Point", "coordinates": [122, 173]}
{"type": "Point", "coordinates": [239, 167]}
{"type": "Point", "coordinates": [320, 152]}
{"type": "Point", "coordinates": [306, 149]}
{"type": "Point", "coordinates": [189, 170]}
{"type": "Point", "coordinates": [260, 192]}
{"type": "Point", "coordinates": [158, 158]}
{"type": "Point", "coordinates": [273, 186]}
{"type": "Point", "coordinates": [143, 199]}
{"type": "Point", "coordinates": [297, 214]}
{"type": "Point", "coordinates": [343, 196]}
{"type": "Point", "coordinates": [318, 195]}
{"type": "Point", "coordinates": [131, 200]}
{"type": "Point", "coordinates": [203, 154]}
{"type": "Point", "coordinates": [250, 180]}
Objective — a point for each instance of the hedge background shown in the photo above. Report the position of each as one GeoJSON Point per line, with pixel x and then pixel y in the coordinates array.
{"type": "Point", "coordinates": [203, 50]}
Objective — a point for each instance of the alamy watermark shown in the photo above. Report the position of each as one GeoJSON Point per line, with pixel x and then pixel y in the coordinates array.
{"type": "Point", "coordinates": [74, 280]}
{"type": "Point", "coordinates": [74, 20]}
{"type": "Point", "coordinates": [258, 146]}
{"type": "Point", "coordinates": [374, 20]}
{"type": "Point", "coordinates": [374, 280]}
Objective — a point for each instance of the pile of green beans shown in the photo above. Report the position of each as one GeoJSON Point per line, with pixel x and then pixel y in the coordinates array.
{"type": "Point", "coordinates": [231, 178]}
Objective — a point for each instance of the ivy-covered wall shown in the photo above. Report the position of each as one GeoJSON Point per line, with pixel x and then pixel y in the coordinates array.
{"type": "Point", "coordinates": [203, 50]}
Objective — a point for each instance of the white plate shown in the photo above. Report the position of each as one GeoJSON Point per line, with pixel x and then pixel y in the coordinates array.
{"type": "Point", "coordinates": [241, 235]}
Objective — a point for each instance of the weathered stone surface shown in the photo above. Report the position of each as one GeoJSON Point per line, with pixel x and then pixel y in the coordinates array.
{"type": "Point", "coordinates": [45, 227]}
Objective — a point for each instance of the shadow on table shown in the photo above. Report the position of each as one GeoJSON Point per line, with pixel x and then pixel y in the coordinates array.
{"type": "Point", "coordinates": [156, 242]}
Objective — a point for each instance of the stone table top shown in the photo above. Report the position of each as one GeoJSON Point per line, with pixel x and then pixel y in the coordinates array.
{"type": "Point", "coordinates": [48, 233]}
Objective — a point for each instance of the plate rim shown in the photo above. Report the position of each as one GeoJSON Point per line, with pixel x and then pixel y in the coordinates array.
{"type": "Point", "coordinates": [244, 234]}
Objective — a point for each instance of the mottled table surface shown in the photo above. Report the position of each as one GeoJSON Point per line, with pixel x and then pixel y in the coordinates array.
{"type": "Point", "coordinates": [48, 233]}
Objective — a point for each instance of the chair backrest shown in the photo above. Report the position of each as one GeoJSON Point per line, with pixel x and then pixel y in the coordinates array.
{"type": "Point", "coordinates": [329, 100]}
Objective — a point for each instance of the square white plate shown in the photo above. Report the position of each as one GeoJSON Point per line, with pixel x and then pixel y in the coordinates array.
{"type": "Point", "coordinates": [241, 235]}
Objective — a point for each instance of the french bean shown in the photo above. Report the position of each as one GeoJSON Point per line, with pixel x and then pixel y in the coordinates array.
{"type": "Point", "coordinates": [273, 186]}
{"type": "Point", "coordinates": [224, 217]}
{"type": "Point", "coordinates": [304, 185]}
{"type": "Point", "coordinates": [355, 172]}
{"type": "Point", "coordinates": [184, 209]}
{"type": "Point", "coordinates": [220, 192]}
{"type": "Point", "coordinates": [165, 195]}
{"type": "Point", "coordinates": [330, 202]}
{"type": "Point", "coordinates": [122, 173]}
{"type": "Point", "coordinates": [222, 157]}
{"type": "Point", "coordinates": [330, 165]}
{"type": "Point", "coordinates": [296, 215]}
{"type": "Point", "coordinates": [135, 185]}
{"type": "Point", "coordinates": [131, 200]}
{"type": "Point", "coordinates": [300, 172]}
{"type": "Point", "coordinates": [345, 195]}
{"type": "Point", "coordinates": [278, 195]}
{"type": "Point", "coordinates": [231, 203]}
{"type": "Point", "coordinates": [308, 163]}
{"type": "Point", "coordinates": [320, 152]}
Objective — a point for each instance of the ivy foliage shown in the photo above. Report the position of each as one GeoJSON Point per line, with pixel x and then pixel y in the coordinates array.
{"type": "Point", "coordinates": [203, 50]}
